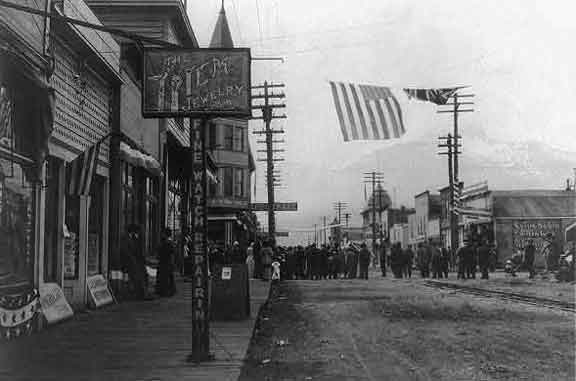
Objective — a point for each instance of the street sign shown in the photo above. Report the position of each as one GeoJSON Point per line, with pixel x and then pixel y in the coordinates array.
{"type": "Point", "coordinates": [196, 83]}
{"type": "Point", "coordinates": [278, 206]}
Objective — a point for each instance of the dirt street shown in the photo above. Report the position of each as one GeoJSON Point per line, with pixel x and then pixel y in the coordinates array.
{"type": "Point", "coordinates": [387, 329]}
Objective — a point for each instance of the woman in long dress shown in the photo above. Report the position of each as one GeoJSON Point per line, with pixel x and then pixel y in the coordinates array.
{"type": "Point", "coordinates": [165, 285]}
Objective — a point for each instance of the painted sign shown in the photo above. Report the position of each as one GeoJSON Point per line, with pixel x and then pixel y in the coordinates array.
{"type": "Point", "coordinates": [278, 206]}
{"type": "Point", "coordinates": [54, 305]}
{"type": "Point", "coordinates": [200, 316]}
{"type": "Point", "coordinates": [538, 231]}
{"type": "Point", "coordinates": [196, 82]}
{"type": "Point", "coordinates": [282, 234]}
{"type": "Point", "coordinates": [100, 294]}
{"type": "Point", "coordinates": [226, 273]}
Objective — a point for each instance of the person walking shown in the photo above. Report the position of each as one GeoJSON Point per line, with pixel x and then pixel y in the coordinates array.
{"type": "Point", "coordinates": [408, 258]}
{"type": "Point", "coordinates": [461, 259]}
{"type": "Point", "coordinates": [134, 263]}
{"type": "Point", "coordinates": [529, 256]}
{"type": "Point", "coordinates": [165, 285]}
{"type": "Point", "coordinates": [436, 261]}
{"type": "Point", "coordinates": [470, 260]}
{"type": "Point", "coordinates": [484, 259]}
{"type": "Point", "coordinates": [364, 259]}
{"type": "Point", "coordinates": [383, 249]}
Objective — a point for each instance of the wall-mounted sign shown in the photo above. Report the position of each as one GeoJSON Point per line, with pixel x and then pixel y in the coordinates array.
{"type": "Point", "coordinates": [541, 232]}
{"type": "Point", "coordinates": [100, 294]}
{"type": "Point", "coordinates": [54, 305]}
{"type": "Point", "coordinates": [278, 206]}
{"type": "Point", "coordinates": [226, 273]}
{"type": "Point", "coordinates": [196, 82]}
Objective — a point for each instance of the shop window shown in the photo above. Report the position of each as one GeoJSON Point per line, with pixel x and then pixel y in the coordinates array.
{"type": "Point", "coordinates": [228, 182]}
{"type": "Point", "coordinates": [95, 224]}
{"type": "Point", "coordinates": [228, 137]}
{"type": "Point", "coordinates": [239, 139]}
{"type": "Point", "coordinates": [211, 142]}
{"type": "Point", "coordinates": [16, 223]}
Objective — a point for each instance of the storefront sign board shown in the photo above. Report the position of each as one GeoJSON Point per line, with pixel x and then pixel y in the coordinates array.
{"type": "Point", "coordinates": [100, 294]}
{"type": "Point", "coordinates": [54, 305]}
{"type": "Point", "coordinates": [196, 83]}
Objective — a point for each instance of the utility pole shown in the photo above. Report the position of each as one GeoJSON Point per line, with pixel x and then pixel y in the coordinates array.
{"type": "Point", "coordinates": [347, 217]}
{"type": "Point", "coordinates": [373, 177]}
{"type": "Point", "coordinates": [339, 206]}
{"type": "Point", "coordinates": [324, 228]}
{"type": "Point", "coordinates": [267, 116]}
{"type": "Point", "coordinates": [452, 147]}
{"type": "Point", "coordinates": [455, 110]}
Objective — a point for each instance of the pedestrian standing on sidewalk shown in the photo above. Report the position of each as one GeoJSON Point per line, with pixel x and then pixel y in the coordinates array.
{"type": "Point", "coordinates": [165, 285]}
{"type": "Point", "coordinates": [250, 260]}
{"type": "Point", "coordinates": [529, 255]}
{"type": "Point", "coordinates": [135, 263]}
{"type": "Point", "coordinates": [267, 254]}
{"type": "Point", "coordinates": [364, 259]}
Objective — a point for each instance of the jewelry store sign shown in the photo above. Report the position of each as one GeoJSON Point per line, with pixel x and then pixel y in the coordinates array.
{"type": "Point", "coordinates": [196, 83]}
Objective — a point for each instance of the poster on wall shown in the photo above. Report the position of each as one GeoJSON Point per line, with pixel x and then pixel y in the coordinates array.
{"type": "Point", "coordinates": [196, 82]}
{"type": "Point", "coordinates": [541, 232]}
{"type": "Point", "coordinates": [71, 252]}
{"type": "Point", "coordinates": [93, 253]}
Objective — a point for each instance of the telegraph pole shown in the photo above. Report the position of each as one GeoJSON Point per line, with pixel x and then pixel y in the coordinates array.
{"type": "Point", "coordinates": [347, 217]}
{"type": "Point", "coordinates": [455, 144]}
{"type": "Point", "coordinates": [339, 206]}
{"type": "Point", "coordinates": [451, 146]}
{"type": "Point", "coordinates": [373, 177]}
{"type": "Point", "coordinates": [267, 116]}
{"type": "Point", "coordinates": [324, 228]}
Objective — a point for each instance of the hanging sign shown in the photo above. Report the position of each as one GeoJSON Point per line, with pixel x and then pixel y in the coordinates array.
{"type": "Point", "coordinates": [196, 82]}
{"type": "Point", "coordinates": [278, 206]}
{"type": "Point", "coordinates": [199, 251]}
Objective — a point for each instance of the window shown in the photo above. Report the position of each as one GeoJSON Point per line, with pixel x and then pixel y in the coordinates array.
{"type": "Point", "coordinates": [16, 224]}
{"type": "Point", "coordinates": [228, 137]}
{"type": "Point", "coordinates": [211, 143]}
{"type": "Point", "coordinates": [239, 139]}
{"type": "Point", "coordinates": [238, 182]}
{"type": "Point", "coordinates": [228, 182]}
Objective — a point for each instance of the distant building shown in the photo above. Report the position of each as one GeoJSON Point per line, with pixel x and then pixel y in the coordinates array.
{"type": "Point", "coordinates": [229, 216]}
{"type": "Point", "coordinates": [428, 210]}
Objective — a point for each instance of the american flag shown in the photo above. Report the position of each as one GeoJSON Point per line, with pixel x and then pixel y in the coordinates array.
{"type": "Point", "coordinates": [82, 171]}
{"type": "Point", "coordinates": [438, 96]}
{"type": "Point", "coordinates": [367, 112]}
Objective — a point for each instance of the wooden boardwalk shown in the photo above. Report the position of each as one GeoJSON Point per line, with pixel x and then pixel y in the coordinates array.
{"type": "Point", "coordinates": [132, 341]}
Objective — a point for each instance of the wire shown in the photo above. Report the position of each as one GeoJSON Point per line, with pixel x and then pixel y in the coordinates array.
{"type": "Point", "coordinates": [237, 21]}
{"type": "Point", "coordinates": [259, 23]}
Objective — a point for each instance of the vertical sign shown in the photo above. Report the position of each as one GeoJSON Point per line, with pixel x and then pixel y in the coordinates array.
{"type": "Point", "coordinates": [200, 313]}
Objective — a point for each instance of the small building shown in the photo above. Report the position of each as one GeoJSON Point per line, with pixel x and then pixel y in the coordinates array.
{"type": "Point", "coordinates": [428, 209]}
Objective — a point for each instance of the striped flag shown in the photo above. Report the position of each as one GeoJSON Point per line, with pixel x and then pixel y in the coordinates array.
{"type": "Point", "coordinates": [82, 171]}
{"type": "Point", "coordinates": [367, 112]}
{"type": "Point", "coordinates": [438, 96]}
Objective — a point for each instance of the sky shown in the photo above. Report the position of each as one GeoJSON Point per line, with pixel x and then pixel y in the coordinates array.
{"type": "Point", "coordinates": [517, 57]}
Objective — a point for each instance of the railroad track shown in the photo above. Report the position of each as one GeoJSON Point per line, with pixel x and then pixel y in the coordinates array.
{"type": "Point", "coordinates": [503, 295]}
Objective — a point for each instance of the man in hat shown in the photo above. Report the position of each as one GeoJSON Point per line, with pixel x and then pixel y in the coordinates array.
{"type": "Point", "coordinates": [364, 259]}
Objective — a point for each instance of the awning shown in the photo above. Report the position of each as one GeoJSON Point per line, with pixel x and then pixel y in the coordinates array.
{"type": "Point", "coordinates": [140, 159]}
{"type": "Point", "coordinates": [571, 233]}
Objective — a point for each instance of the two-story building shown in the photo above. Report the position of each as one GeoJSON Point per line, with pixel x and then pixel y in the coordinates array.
{"type": "Point", "coordinates": [428, 209]}
{"type": "Point", "coordinates": [229, 217]}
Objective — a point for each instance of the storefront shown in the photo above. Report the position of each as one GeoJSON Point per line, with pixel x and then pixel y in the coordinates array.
{"type": "Point", "coordinates": [75, 228]}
